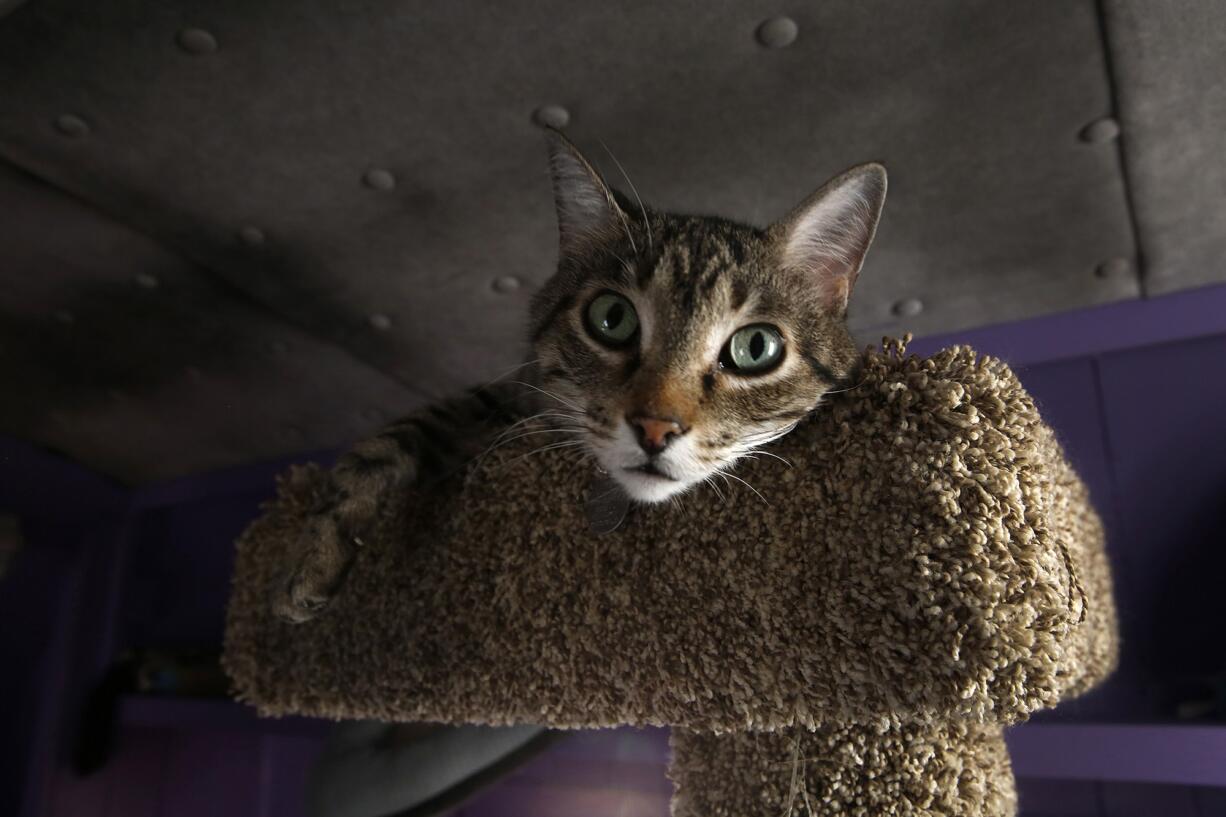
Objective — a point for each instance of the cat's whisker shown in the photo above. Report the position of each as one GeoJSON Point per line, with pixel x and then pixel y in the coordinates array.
{"type": "Point", "coordinates": [549, 447]}
{"type": "Point", "coordinates": [555, 430]}
{"type": "Point", "coordinates": [626, 230]}
{"type": "Point", "coordinates": [543, 415]}
{"type": "Point", "coordinates": [754, 452]}
{"type": "Point", "coordinates": [773, 455]}
{"type": "Point", "coordinates": [626, 265]}
{"type": "Point", "coordinates": [763, 437]}
{"type": "Point", "coordinates": [849, 388]}
{"type": "Point", "coordinates": [757, 435]}
{"type": "Point", "coordinates": [511, 370]}
{"type": "Point", "coordinates": [549, 394]}
{"type": "Point", "coordinates": [552, 447]}
{"type": "Point", "coordinates": [634, 190]}
{"type": "Point", "coordinates": [746, 484]}
{"type": "Point", "coordinates": [710, 481]}
{"type": "Point", "coordinates": [614, 489]}
{"type": "Point", "coordinates": [559, 414]}
{"type": "Point", "coordinates": [521, 427]}
{"type": "Point", "coordinates": [502, 441]}
{"type": "Point", "coordinates": [795, 775]}
{"type": "Point", "coordinates": [622, 216]}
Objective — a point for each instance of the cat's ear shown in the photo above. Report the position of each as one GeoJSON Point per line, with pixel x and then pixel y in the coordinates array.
{"type": "Point", "coordinates": [588, 215]}
{"type": "Point", "coordinates": [828, 235]}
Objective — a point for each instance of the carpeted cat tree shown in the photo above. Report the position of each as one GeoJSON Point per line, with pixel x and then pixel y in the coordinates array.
{"type": "Point", "coordinates": [926, 570]}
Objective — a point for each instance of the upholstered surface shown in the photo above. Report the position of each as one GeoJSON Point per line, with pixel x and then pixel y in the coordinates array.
{"type": "Point", "coordinates": [956, 769]}
{"type": "Point", "coordinates": [929, 565]}
{"type": "Point", "coordinates": [928, 554]}
{"type": "Point", "coordinates": [369, 177]}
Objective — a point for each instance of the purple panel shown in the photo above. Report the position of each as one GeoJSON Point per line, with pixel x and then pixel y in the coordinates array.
{"type": "Point", "coordinates": [1210, 802]}
{"type": "Point", "coordinates": [1189, 755]}
{"type": "Point", "coordinates": [560, 799]}
{"type": "Point", "coordinates": [624, 759]}
{"type": "Point", "coordinates": [37, 482]}
{"type": "Point", "coordinates": [593, 773]}
{"type": "Point", "coordinates": [180, 573]}
{"type": "Point", "coordinates": [136, 773]}
{"type": "Point", "coordinates": [1086, 332]}
{"type": "Point", "coordinates": [218, 715]}
{"type": "Point", "coordinates": [35, 593]}
{"type": "Point", "coordinates": [1148, 800]}
{"type": "Point", "coordinates": [72, 796]}
{"type": "Point", "coordinates": [1067, 396]}
{"type": "Point", "coordinates": [1067, 393]}
{"type": "Point", "coordinates": [1165, 407]}
{"type": "Point", "coordinates": [65, 607]}
{"type": "Point", "coordinates": [70, 521]}
{"type": "Point", "coordinates": [256, 479]}
{"type": "Point", "coordinates": [1058, 798]}
{"type": "Point", "coordinates": [286, 761]}
{"type": "Point", "coordinates": [213, 773]}
{"type": "Point", "coordinates": [1162, 455]}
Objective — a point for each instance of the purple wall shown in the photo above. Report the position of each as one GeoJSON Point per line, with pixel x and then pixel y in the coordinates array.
{"type": "Point", "coordinates": [1135, 391]}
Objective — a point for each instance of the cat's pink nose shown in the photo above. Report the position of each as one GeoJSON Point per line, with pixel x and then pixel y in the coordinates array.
{"type": "Point", "coordinates": [655, 433]}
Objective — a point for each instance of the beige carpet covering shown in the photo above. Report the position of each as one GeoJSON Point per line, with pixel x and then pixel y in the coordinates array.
{"type": "Point", "coordinates": [937, 769]}
{"type": "Point", "coordinates": [924, 568]}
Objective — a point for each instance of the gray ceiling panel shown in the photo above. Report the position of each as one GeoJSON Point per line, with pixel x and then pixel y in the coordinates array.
{"type": "Point", "coordinates": [1170, 68]}
{"type": "Point", "coordinates": [369, 174]}
{"type": "Point", "coordinates": [135, 362]}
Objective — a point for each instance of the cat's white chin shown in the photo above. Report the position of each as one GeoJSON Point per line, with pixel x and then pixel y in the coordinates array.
{"type": "Point", "coordinates": [649, 488]}
{"type": "Point", "coordinates": [649, 479]}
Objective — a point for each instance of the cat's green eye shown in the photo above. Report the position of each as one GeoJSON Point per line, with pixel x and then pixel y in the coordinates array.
{"type": "Point", "coordinates": [612, 320]}
{"type": "Point", "coordinates": [754, 349]}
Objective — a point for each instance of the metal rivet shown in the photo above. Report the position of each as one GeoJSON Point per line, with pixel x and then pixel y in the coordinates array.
{"type": "Point", "coordinates": [71, 126]}
{"type": "Point", "coordinates": [196, 41]}
{"type": "Point", "coordinates": [251, 236]}
{"type": "Point", "coordinates": [64, 316]}
{"type": "Point", "coordinates": [1113, 268]}
{"type": "Point", "coordinates": [380, 321]}
{"type": "Point", "coordinates": [1100, 130]}
{"type": "Point", "coordinates": [908, 307]}
{"type": "Point", "coordinates": [553, 116]}
{"type": "Point", "coordinates": [146, 280]}
{"type": "Point", "coordinates": [379, 179]}
{"type": "Point", "coordinates": [506, 283]}
{"type": "Point", "coordinates": [777, 32]}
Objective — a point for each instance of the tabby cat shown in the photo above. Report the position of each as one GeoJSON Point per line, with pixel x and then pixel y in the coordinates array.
{"type": "Point", "coordinates": [665, 347]}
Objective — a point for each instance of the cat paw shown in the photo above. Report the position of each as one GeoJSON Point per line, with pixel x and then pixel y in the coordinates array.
{"type": "Point", "coordinates": [315, 581]}
{"type": "Point", "coordinates": [300, 599]}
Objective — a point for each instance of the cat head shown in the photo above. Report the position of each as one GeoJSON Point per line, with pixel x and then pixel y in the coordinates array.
{"type": "Point", "coordinates": [675, 345]}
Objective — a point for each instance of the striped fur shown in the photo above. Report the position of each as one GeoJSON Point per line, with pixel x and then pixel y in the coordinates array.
{"type": "Point", "coordinates": [692, 281]}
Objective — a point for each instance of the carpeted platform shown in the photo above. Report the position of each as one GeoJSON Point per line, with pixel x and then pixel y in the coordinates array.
{"type": "Point", "coordinates": [925, 562]}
